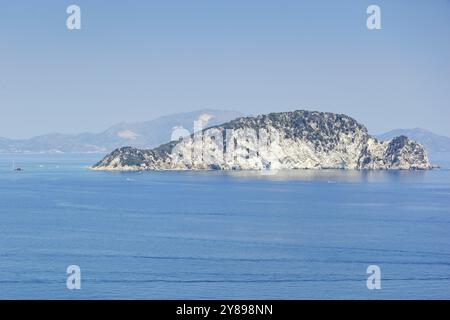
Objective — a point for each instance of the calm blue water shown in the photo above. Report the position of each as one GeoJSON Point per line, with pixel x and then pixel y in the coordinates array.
{"type": "Point", "coordinates": [207, 235]}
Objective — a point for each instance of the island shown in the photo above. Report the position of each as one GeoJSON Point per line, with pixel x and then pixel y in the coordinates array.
{"type": "Point", "coordinates": [286, 140]}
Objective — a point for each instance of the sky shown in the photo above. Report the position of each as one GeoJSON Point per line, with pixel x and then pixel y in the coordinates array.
{"type": "Point", "coordinates": [137, 60]}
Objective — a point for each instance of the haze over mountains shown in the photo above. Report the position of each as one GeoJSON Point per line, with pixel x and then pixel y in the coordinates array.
{"type": "Point", "coordinates": [437, 146]}
{"type": "Point", "coordinates": [433, 142]}
{"type": "Point", "coordinates": [152, 133]}
{"type": "Point", "coordinates": [146, 134]}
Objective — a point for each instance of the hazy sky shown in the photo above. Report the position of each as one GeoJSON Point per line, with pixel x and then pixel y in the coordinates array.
{"type": "Point", "coordinates": [136, 60]}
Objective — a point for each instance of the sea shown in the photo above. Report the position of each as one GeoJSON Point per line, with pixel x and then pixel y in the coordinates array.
{"type": "Point", "coordinates": [303, 234]}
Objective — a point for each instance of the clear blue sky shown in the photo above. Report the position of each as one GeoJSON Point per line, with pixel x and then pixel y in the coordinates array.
{"type": "Point", "coordinates": [136, 60]}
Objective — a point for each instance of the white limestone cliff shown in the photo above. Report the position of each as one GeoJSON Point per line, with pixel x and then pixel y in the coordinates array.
{"type": "Point", "coordinates": [287, 140]}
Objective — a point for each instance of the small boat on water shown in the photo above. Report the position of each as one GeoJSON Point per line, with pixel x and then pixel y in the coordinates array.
{"type": "Point", "coordinates": [16, 168]}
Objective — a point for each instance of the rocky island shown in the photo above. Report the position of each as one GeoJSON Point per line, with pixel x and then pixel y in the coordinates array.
{"type": "Point", "coordinates": [287, 140]}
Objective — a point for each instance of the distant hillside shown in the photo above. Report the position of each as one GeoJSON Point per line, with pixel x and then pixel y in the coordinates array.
{"type": "Point", "coordinates": [146, 134]}
{"type": "Point", "coordinates": [298, 139]}
{"type": "Point", "coordinates": [437, 146]}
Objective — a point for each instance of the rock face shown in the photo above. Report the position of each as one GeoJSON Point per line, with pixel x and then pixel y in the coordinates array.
{"type": "Point", "coordinates": [437, 146]}
{"type": "Point", "coordinates": [287, 140]}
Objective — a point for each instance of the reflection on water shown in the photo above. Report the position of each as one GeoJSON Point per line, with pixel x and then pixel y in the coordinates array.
{"type": "Point", "coordinates": [36, 163]}
{"type": "Point", "coordinates": [330, 176]}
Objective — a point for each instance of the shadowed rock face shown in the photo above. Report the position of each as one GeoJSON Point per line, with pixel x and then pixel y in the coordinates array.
{"type": "Point", "coordinates": [287, 140]}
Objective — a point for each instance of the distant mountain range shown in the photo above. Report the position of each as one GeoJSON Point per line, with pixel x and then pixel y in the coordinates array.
{"type": "Point", "coordinates": [146, 134]}
{"type": "Point", "coordinates": [438, 147]}
{"type": "Point", "coordinates": [152, 133]}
